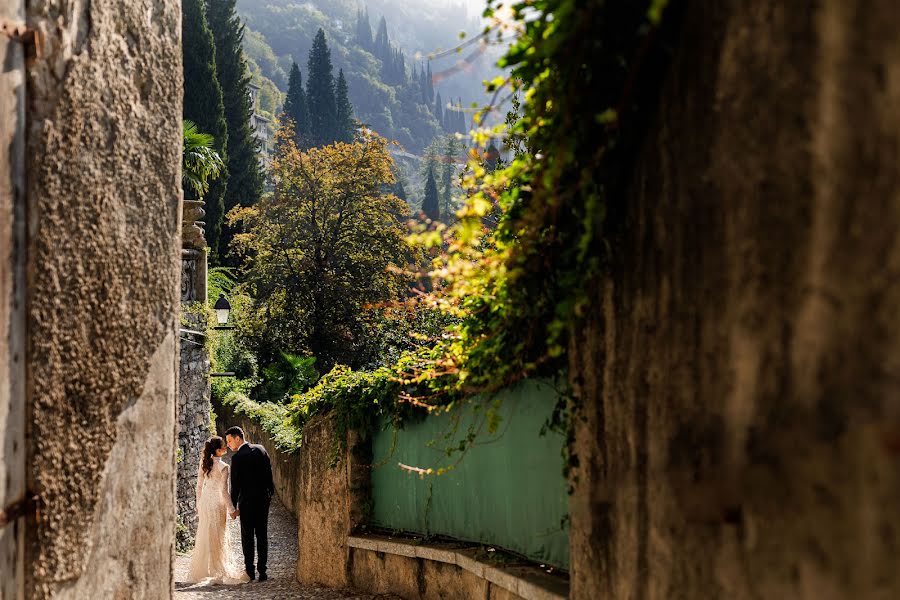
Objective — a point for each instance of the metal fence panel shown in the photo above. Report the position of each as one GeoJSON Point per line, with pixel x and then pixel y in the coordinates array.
{"type": "Point", "coordinates": [507, 491]}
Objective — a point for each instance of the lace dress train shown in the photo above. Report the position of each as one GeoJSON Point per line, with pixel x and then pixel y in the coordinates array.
{"type": "Point", "coordinates": [213, 560]}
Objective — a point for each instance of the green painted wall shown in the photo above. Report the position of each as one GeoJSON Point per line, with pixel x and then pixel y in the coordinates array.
{"type": "Point", "coordinates": [507, 491]}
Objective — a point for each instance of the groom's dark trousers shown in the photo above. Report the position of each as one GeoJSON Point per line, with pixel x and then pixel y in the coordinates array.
{"type": "Point", "coordinates": [252, 489]}
{"type": "Point", "coordinates": [255, 525]}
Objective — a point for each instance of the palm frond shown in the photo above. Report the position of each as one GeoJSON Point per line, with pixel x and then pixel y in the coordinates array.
{"type": "Point", "coordinates": [201, 163]}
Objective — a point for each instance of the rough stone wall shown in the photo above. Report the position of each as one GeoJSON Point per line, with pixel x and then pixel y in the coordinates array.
{"type": "Point", "coordinates": [416, 578]}
{"type": "Point", "coordinates": [12, 302]}
{"type": "Point", "coordinates": [331, 504]}
{"type": "Point", "coordinates": [740, 376]}
{"type": "Point", "coordinates": [104, 156]}
{"type": "Point", "coordinates": [193, 424]}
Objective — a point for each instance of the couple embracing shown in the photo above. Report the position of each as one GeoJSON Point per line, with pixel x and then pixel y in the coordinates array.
{"type": "Point", "coordinates": [242, 490]}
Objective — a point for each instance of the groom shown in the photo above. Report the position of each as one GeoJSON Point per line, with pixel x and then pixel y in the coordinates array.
{"type": "Point", "coordinates": [252, 489]}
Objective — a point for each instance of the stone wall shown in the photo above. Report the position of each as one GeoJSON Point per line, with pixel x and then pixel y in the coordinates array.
{"type": "Point", "coordinates": [194, 425]}
{"type": "Point", "coordinates": [12, 303]}
{"type": "Point", "coordinates": [103, 114]}
{"type": "Point", "coordinates": [739, 375]}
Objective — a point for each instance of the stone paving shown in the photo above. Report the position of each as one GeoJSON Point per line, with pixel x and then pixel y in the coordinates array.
{"type": "Point", "coordinates": [282, 583]}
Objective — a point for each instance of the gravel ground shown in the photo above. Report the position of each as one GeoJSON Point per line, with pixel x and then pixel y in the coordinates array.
{"type": "Point", "coordinates": [282, 565]}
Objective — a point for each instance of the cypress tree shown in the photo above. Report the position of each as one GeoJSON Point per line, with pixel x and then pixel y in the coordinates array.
{"type": "Point", "coordinates": [447, 169]}
{"type": "Point", "coordinates": [423, 83]}
{"type": "Point", "coordinates": [204, 105]}
{"type": "Point", "coordinates": [245, 178]}
{"type": "Point", "coordinates": [363, 30]}
{"type": "Point", "coordinates": [430, 205]}
{"type": "Point", "coordinates": [401, 67]}
{"type": "Point", "coordinates": [382, 42]}
{"type": "Point", "coordinates": [345, 122]}
{"type": "Point", "coordinates": [439, 110]}
{"type": "Point", "coordinates": [429, 80]}
{"type": "Point", "coordinates": [460, 118]}
{"type": "Point", "coordinates": [320, 98]}
{"type": "Point", "coordinates": [295, 107]}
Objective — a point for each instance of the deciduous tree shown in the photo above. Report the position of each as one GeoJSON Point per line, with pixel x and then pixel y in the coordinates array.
{"type": "Point", "coordinates": [322, 250]}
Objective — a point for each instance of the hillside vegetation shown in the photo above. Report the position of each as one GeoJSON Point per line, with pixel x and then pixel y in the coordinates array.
{"type": "Point", "coordinates": [384, 72]}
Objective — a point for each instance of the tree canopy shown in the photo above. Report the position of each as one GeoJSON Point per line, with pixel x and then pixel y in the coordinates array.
{"type": "Point", "coordinates": [322, 250]}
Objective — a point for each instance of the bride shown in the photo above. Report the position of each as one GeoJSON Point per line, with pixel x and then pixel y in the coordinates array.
{"type": "Point", "coordinates": [212, 560]}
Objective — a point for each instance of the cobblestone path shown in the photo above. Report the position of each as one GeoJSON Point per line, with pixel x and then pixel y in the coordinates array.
{"type": "Point", "coordinates": [282, 583]}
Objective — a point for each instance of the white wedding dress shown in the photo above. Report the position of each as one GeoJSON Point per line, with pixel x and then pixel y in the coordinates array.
{"type": "Point", "coordinates": [213, 561]}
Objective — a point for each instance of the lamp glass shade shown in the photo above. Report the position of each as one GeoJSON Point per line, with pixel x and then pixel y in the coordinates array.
{"type": "Point", "coordinates": [222, 308]}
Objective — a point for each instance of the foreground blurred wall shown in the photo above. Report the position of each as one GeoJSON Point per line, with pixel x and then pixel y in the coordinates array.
{"type": "Point", "coordinates": [12, 305]}
{"type": "Point", "coordinates": [90, 155]}
{"type": "Point", "coordinates": [740, 371]}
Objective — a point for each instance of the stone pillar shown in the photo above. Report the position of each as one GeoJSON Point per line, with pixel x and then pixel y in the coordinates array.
{"type": "Point", "coordinates": [193, 253]}
{"type": "Point", "coordinates": [193, 422]}
{"type": "Point", "coordinates": [194, 394]}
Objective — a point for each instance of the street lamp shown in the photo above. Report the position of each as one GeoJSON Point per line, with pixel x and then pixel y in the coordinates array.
{"type": "Point", "coordinates": [223, 309]}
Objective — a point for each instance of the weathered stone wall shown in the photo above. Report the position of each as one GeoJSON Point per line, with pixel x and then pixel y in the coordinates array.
{"type": "Point", "coordinates": [194, 426]}
{"type": "Point", "coordinates": [739, 376]}
{"type": "Point", "coordinates": [330, 505]}
{"type": "Point", "coordinates": [103, 188]}
{"type": "Point", "coordinates": [12, 302]}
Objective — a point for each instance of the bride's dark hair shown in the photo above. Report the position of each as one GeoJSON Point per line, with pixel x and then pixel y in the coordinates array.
{"type": "Point", "coordinates": [212, 445]}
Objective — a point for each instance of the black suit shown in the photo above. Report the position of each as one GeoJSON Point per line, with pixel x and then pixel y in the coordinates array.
{"type": "Point", "coordinates": [252, 489]}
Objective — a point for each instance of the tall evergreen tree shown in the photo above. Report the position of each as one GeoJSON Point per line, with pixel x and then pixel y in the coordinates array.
{"type": "Point", "coordinates": [245, 177]}
{"type": "Point", "coordinates": [439, 110]}
{"type": "Point", "coordinates": [382, 42]}
{"type": "Point", "coordinates": [346, 126]}
{"type": "Point", "coordinates": [295, 107]}
{"type": "Point", "coordinates": [364, 30]}
{"type": "Point", "coordinates": [323, 126]}
{"type": "Point", "coordinates": [423, 83]}
{"type": "Point", "coordinates": [448, 169]}
{"type": "Point", "coordinates": [401, 67]}
{"type": "Point", "coordinates": [429, 81]}
{"type": "Point", "coordinates": [204, 105]}
{"type": "Point", "coordinates": [430, 205]}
